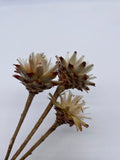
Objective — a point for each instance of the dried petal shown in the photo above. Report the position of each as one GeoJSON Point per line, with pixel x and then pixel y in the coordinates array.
{"type": "Point", "coordinates": [70, 111]}
{"type": "Point", "coordinates": [73, 72]}
{"type": "Point", "coordinates": [36, 73]}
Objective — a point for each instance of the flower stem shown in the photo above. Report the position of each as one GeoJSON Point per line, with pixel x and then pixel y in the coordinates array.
{"type": "Point", "coordinates": [56, 94]}
{"type": "Point", "coordinates": [50, 130]}
{"type": "Point", "coordinates": [28, 103]}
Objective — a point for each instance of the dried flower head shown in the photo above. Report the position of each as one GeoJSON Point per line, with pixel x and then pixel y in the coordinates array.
{"type": "Point", "coordinates": [73, 72]}
{"type": "Point", "coordinates": [70, 111]}
{"type": "Point", "coordinates": [36, 73]}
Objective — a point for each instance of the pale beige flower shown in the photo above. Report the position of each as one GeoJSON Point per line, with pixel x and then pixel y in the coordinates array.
{"type": "Point", "coordinates": [74, 72]}
{"type": "Point", "coordinates": [36, 73]}
{"type": "Point", "coordinates": [70, 111]}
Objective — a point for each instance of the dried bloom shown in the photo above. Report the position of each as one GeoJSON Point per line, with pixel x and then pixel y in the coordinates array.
{"type": "Point", "coordinates": [74, 72]}
{"type": "Point", "coordinates": [70, 111]}
{"type": "Point", "coordinates": [36, 73]}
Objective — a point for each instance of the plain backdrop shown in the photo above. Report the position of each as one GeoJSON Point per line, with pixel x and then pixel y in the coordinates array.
{"type": "Point", "coordinates": [90, 27]}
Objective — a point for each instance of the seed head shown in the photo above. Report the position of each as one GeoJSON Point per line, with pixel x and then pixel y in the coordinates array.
{"type": "Point", "coordinates": [70, 111]}
{"type": "Point", "coordinates": [74, 72]}
{"type": "Point", "coordinates": [36, 73]}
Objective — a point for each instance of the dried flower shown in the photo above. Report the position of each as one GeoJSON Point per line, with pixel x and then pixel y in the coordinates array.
{"type": "Point", "coordinates": [35, 73]}
{"type": "Point", "coordinates": [70, 111]}
{"type": "Point", "coordinates": [73, 72]}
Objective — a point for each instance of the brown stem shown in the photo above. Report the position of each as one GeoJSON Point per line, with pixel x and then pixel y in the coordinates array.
{"type": "Point", "coordinates": [56, 94]}
{"type": "Point", "coordinates": [28, 103]}
{"type": "Point", "coordinates": [50, 130]}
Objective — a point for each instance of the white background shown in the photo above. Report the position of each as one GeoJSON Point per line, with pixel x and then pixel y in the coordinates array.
{"type": "Point", "coordinates": [54, 27]}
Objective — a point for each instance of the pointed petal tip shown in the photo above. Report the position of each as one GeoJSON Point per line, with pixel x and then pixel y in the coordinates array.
{"type": "Point", "coordinates": [61, 58]}
{"type": "Point", "coordinates": [70, 66]}
{"type": "Point", "coordinates": [75, 52]}
{"type": "Point", "coordinates": [17, 77]}
{"type": "Point", "coordinates": [85, 77]}
{"type": "Point", "coordinates": [86, 125]}
{"type": "Point", "coordinates": [80, 127]}
{"type": "Point", "coordinates": [83, 63]}
{"type": "Point", "coordinates": [16, 65]}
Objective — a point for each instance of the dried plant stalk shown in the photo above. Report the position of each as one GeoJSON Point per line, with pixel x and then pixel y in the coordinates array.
{"type": "Point", "coordinates": [56, 94]}
{"type": "Point", "coordinates": [50, 130]}
{"type": "Point", "coordinates": [28, 103]}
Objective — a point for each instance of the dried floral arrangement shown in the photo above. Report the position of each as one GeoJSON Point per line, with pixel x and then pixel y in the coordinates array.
{"type": "Point", "coordinates": [37, 75]}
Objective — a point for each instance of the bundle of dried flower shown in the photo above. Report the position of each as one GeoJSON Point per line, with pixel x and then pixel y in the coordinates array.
{"type": "Point", "coordinates": [37, 75]}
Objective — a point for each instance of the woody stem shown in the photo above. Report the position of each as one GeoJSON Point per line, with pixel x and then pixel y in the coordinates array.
{"type": "Point", "coordinates": [48, 108]}
{"type": "Point", "coordinates": [28, 103]}
{"type": "Point", "coordinates": [50, 130]}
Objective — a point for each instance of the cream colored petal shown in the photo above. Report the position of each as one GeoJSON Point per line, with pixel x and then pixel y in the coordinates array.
{"type": "Point", "coordinates": [65, 99]}
{"type": "Point", "coordinates": [53, 69]}
{"type": "Point", "coordinates": [91, 77]}
{"type": "Point", "coordinates": [21, 62]}
{"type": "Point", "coordinates": [67, 57]}
{"type": "Point", "coordinates": [78, 62]}
{"type": "Point", "coordinates": [40, 58]}
{"type": "Point", "coordinates": [69, 99]}
{"type": "Point", "coordinates": [73, 59]}
{"type": "Point", "coordinates": [46, 65]}
{"type": "Point", "coordinates": [88, 68]}
{"type": "Point", "coordinates": [76, 109]}
{"type": "Point", "coordinates": [83, 123]}
{"type": "Point", "coordinates": [84, 117]}
{"type": "Point", "coordinates": [39, 71]}
{"type": "Point", "coordinates": [37, 58]}
{"type": "Point", "coordinates": [49, 63]}
{"type": "Point", "coordinates": [58, 59]}
{"type": "Point", "coordinates": [82, 103]}
{"type": "Point", "coordinates": [61, 99]}
{"type": "Point", "coordinates": [47, 77]}
{"type": "Point", "coordinates": [76, 100]}
{"type": "Point", "coordinates": [22, 72]}
{"type": "Point", "coordinates": [84, 108]}
{"type": "Point", "coordinates": [80, 68]}
{"type": "Point", "coordinates": [77, 123]}
{"type": "Point", "coordinates": [32, 62]}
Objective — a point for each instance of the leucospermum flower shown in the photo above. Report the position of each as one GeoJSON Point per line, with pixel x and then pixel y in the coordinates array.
{"type": "Point", "coordinates": [70, 111]}
{"type": "Point", "coordinates": [74, 72]}
{"type": "Point", "coordinates": [36, 73]}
